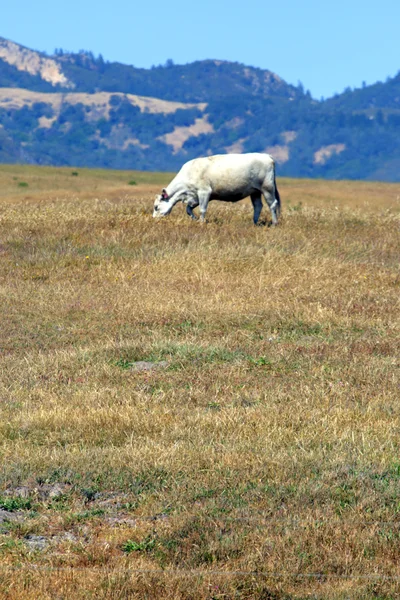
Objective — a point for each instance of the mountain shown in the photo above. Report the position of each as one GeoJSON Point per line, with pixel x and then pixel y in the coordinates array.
{"type": "Point", "coordinates": [200, 81]}
{"type": "Point", "coordinates": [76, 109]}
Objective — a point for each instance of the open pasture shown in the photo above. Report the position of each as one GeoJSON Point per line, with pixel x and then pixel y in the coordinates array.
{"type": "Point", "coordinates": [257, 453]}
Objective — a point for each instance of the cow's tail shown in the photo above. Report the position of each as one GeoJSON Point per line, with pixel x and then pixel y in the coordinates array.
{"type": "Point", "coordinates": [277, 198]}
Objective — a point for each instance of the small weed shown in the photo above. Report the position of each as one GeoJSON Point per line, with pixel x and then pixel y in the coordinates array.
{"type": "Point", "coordinates": [205, 493]}
{"type": "Point", "coordinates": [16, 503]}
{"type": "Point", "coordinates": [389, 535]}
{"type": "Point", "coordinates": [296, 208]}
{"type": "Point", "coordinates": [123, 363]}
{"type": "Point", "coordinates": [58, 475]}
{"type": "Point", "coordinates": [199, 542]}
{"type": "Point", "coordinates": [304, 557]}
{"type": "Point", "coordinates": [214, 406]}
{"type": "Point", "coordinates": [295, 330]}
{"type": "Point", "coordinates": [369, 552]}
{"type": "Point", "coordinates": [61, 503]}
{"type": "Point", "coordinates": [187, 325]}
{"type": "Point", "coordinates": [132, 182]}
{"type": "Point", "coordinates": [89, 494]}
{"type": "Point", "coordinates": [394, 470]}
{"type": "Point", "coordinates": [75, 173]}
{"type": "Point", "coordinates": [262, 361]}
{"type": "Point", "coordinates": [87, 515]}
{"type": "Point", "coordinates": [149, 481]}
{"type": "Point", "coordinates": [10, 545]}
{"type": "Point", "coordinates": [345, 498]}
{"type": "Point", "coordinates": [23, 184]}
{"type": "Point", "coordinates": [147, 545]}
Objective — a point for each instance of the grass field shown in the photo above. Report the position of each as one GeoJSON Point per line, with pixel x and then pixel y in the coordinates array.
{"type": "Point", "coordinates": [197, 412]}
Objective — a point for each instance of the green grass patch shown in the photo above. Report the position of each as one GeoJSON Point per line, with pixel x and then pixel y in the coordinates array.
{"type": "Point", "coordinates": [146, 545]}
{"type": "Point", "coordinates": [199, 543]}
{"type": "Point", "coordinates": [195, 353]}
{"type": "Point", "coordinates": [183, 354]}
{"type": "Point", "coordinates": [15, 503]}
{"type": "Point", "coordinates": [87, 515]}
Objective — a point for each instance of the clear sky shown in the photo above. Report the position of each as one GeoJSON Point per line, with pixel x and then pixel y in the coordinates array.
{"type": "Point", "coordinates": [327, 46]}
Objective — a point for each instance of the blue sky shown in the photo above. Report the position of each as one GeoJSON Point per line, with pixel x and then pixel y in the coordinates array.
{"type": "Point", "coordinates": [327, 46]}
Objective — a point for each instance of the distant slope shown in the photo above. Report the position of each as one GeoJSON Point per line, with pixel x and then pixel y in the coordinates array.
{"type": "Point", "coordinates": [94, 129]}
{"type": "Point", "coordinates": [19, 64]}
{"type": "Point", "coordinates": [384, 96]}
{"type": "Point", "coordinates": [75, 109]}
{"type": "Point", "coordinates": [200, 81]}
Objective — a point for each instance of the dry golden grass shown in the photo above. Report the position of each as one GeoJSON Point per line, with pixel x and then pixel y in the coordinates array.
{"type": "Point", "coordinates": [263, 460]}
{"type": "Point", "coordinates": [12, 98]}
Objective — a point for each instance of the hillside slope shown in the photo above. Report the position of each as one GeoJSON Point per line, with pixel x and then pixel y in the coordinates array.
{"type": "Point", "coordinates": [75, 109]}
{"type": "Point", "coordinates": [200, 81]}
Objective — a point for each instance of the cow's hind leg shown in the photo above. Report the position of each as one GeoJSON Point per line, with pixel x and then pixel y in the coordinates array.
{"type": "Point", "coordinates": [257, 206]}
{"type": "Point", "coordinates": [273, 204]}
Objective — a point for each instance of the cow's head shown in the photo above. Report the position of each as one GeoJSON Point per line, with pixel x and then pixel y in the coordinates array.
{"type": "Point", "coordinates": [162, 204]}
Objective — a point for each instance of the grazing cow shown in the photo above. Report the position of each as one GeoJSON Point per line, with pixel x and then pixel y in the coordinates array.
{"type": "Point", "coordinates": [227, 177]}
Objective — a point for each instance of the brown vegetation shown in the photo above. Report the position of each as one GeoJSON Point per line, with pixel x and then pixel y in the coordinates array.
{"type": "Point", "coordinates": [197, 411]}
{"type": "Point", "coordinates": [98, 104]}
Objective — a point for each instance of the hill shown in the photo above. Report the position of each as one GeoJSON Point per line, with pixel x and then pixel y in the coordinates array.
{"type": "Point", "coordinates": [77, 109]}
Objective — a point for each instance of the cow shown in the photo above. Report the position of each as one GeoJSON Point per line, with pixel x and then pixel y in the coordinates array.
{"type": "Point", "coordinates": [226, 177]}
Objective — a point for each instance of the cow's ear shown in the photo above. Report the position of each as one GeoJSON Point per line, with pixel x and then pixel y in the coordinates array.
{"type": "Point", "coordinates": [164, 194]}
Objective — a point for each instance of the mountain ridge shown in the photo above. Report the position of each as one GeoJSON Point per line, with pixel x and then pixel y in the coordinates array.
{"type": "Point", "coordinates": [80, 110]}
{"type": "Point", "coordinates": [69, 68]}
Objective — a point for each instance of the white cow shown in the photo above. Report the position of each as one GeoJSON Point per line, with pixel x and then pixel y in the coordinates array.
{"type": "Point", "coordinates": [227, 177]}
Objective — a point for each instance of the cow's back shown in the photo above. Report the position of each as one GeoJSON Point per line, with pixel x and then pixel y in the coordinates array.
{"type": "Point", "coordinates": [222, 169]}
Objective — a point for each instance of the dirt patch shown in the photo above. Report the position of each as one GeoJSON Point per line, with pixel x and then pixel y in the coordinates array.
{"type": "Point", "coordinates": [142, 365]}
{"type": "Point", "coordinates": [8, 516]}
{"type": "Point", "coordinates": [154, 105]}
{"type": "Point", "coordinates": [323, 154]}
{"type": "Point", "coordinates": [178, 137]}
{"type": "Point", "coordinates": [35, 64]}
{"type": "Point", "coordinates": [40, 492]}
{"type": "Point", "coordinates": [99, 103]}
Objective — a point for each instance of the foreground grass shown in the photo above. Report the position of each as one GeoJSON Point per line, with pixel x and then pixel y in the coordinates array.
{"type": "Point", "coordinates": [261, 459]}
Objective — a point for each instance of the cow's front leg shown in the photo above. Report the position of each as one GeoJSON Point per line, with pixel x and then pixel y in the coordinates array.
{"type": "Point", "coordinates": [204, 198]}
{"type": "Point", "coordinates": [189, 209]}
